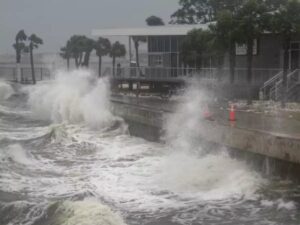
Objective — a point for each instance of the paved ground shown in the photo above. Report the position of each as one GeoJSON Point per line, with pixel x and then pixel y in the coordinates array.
{"type": "Point", "coordinates": [275, 124]}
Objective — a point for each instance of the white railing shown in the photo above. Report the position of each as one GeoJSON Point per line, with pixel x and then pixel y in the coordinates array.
{"type": "Point", "coordinates": [270, 84]}
{"type": "Point", "coordinates": [292, 82]}
{"type": "Point", "coordinates": [275, 91]}
{"type": "Point", "coordinates": [163, 73]}
{"type": "Point", "coordinates": [9, 72]}
{"type": "Point", "coordinates": [260, 75]}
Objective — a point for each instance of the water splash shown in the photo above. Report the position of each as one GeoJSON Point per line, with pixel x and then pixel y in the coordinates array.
{"type": "Point", "coordinates": [183, 127]}
{"type": "Point", "coordinates": [148, 182]}
{"type": "Point", "coordinates": [17, 154]}
{"type": "Point", "coordinates": [192, 166]}
{"type": "Point", "coordinates": [5, 90]}
{"type": "Point", "coordinates": [73, 97]}
{"type": "Point", "coordinates": [86, 212]}
{"type": "Point", "coordinates": [210, 177]}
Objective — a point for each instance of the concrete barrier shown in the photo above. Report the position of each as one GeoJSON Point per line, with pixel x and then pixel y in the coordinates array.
{"type": "Point", "coordinates": [265, 143]}
{"type": "Point", "coordinates": [268, 144]}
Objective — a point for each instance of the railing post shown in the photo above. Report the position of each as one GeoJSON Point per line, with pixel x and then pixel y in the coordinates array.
{"type": "Point", "coordinates": [22, 75]}
{"type": "Point", "coordinates": [18, 73]}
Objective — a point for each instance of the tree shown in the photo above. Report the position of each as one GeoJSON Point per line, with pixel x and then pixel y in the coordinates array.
{"type": "Point", "coordinates": [102, 47]}
{"type": "Point", "coordinates": [224, 32]}
{"type": "Point", "coordinates": [195, 46]}
{"type": "Point", "coordinates": [251, 23]}
{"type": "Point", "coordinates": [274, 5]}
{"type": "Point", "coordinates": [66, 53]}
{"type": "Point", "coordinates": [88, 46]}
{"type": "Point", "coordinates": [19, 44]}
{"type": "Point", "coordinates": [202, 11]}
{"type": "Point", "coordinates": [218, 48]}
{"type": "Point", "coordinates": [117, 50]}
{"type": "Point", "coordinates": [286, 23]}
{"type": "Point", "coordinates": [34, 42]}
{"type": "Point", "coordinates": [154, 21]}
{"type": "Point", "coordinates": [80, 48]}
{"type": "Point", "coordinates": [77, 46]}
{"type": "Point", "coordinates": [136, 41]}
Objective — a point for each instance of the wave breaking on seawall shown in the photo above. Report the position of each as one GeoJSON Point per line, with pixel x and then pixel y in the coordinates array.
{"type": "Point", "coordinates": [73, 97]}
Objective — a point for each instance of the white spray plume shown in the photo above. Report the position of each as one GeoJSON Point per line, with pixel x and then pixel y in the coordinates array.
{"type": "Point", "coordinates": [73, 97]}
{"type": "Point", "coordinates": [5, 90]}
{"type": "Point", "coordinates": [183, 127]}
{"type": "Point", "coordinates": [213, 175]}
{"type": "Point", "coordinates": [87, 212]}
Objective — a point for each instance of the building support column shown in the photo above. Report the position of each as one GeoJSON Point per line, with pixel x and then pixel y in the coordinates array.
{"type": "Point", "coordinates": [130, 55]}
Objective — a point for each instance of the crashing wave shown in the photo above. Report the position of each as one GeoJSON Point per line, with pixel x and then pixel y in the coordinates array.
{"type": "Point", "coordinates": [73, 97]}
{"type": "Point", "coordinates": [86, 212]}
{"type": "Point", "coordinates": [5, 90]}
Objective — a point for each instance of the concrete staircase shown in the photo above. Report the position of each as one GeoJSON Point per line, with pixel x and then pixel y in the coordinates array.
{"type": "Point", "coordinates": [272, 88]}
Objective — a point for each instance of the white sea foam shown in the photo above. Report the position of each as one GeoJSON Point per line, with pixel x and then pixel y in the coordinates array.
{"type": "Point", "coordinates": [183, 127]}
{"type": "Point", "coordinates": [287, 205]}
{"type": "Point", "coordinates": [73, 97]}
{"type": "Point", "coordinates": [17, 154]}
{"type": "Point", "coordinates": [280, 204]}
{"type": "Point", "coordinates": [5, 90]}
{"type": "Point", "coordinates": [136, 174]}
{"type": "Point", "coordinates": [87, 212]}
{"type": "Point", "coordinates": [142, 179]}
{"type": "Point", "coordinates": [213, 176]}
{"type": "Point", "coordinates": [190, 168]}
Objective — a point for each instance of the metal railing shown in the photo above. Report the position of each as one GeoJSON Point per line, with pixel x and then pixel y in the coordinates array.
{"type": "Point", "coordinates": [260, 75]}
{"type": "Point", "coordinates": [275, 92]}
{"type": "Point", "coordinates": [292, 83]}
{"type": "Point", "coordinates": [270, 85]}
{"type": "Point", "coordinates": [8, 72]}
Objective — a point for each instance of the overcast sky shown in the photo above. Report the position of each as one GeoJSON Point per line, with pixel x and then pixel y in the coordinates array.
{"type": "Point", "coordinates": [56, 20]}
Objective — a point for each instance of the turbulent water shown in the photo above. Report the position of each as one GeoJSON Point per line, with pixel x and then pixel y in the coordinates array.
{"type": "Point", "coordinates": [66, 160]}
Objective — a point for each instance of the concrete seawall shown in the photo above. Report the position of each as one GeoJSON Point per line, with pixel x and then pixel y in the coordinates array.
{"type": "Point", "coordinates": [148, 122]}
{"type": "Point", "coordinates": [275, 145]}
{"type": "Point", "coordinates": [144, 122]}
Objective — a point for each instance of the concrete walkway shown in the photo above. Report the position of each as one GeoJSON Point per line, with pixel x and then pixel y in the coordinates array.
{"type": "Point", "coordinates": [277, 125]}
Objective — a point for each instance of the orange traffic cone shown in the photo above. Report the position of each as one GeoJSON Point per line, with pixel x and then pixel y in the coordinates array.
{"type": "Point", "coordinates": [232, 113]}
{"type": "Point", "coordinates": [207, 114]}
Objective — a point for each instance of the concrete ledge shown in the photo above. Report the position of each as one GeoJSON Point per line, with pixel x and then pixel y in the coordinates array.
{"type": "Point", "coordinates": [139, 114]}
{"type": "Point", "coordinates": [274, 145]}
{"type": "Point", "coordinates": [268, 144]}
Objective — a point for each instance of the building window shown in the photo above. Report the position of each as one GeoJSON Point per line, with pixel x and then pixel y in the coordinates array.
{"type": "Point", "coordinates": [155, 60]}
{"type": "Point", "coordinates": [241, 49]}
{"type": "Point", "coordinates": [159, 60]}
{"type": "Point", "coordinates": [164, 43]}
{"type": "Point", "coordinates": [174, 45]}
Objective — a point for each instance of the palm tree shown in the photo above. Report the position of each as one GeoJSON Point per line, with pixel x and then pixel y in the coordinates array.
{"type": "Point", "coordinates": [117, 50]}
{"type": "Point", "coordinates": [102, 47]}
{"type": "Point", "coordinates": [35, 41]}
{"type": "Point", "coordinates": [137, 40]}
{"type": "Point", "coordinates": [286, 23]}
{"type": "Point", "coordinates": [77, 45]}
{"type": "Point", "coordinates": [19, 44]}
{"type": "Point", "coordinates": [154, 21]}
{"type": "Point", "coordinates": [66, 53]}
{"type": "Point", "coordinates": [88, 46]}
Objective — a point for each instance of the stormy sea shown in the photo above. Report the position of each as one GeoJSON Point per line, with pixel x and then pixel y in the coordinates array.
{"type": "Point", "coordinates": [65, 159]}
